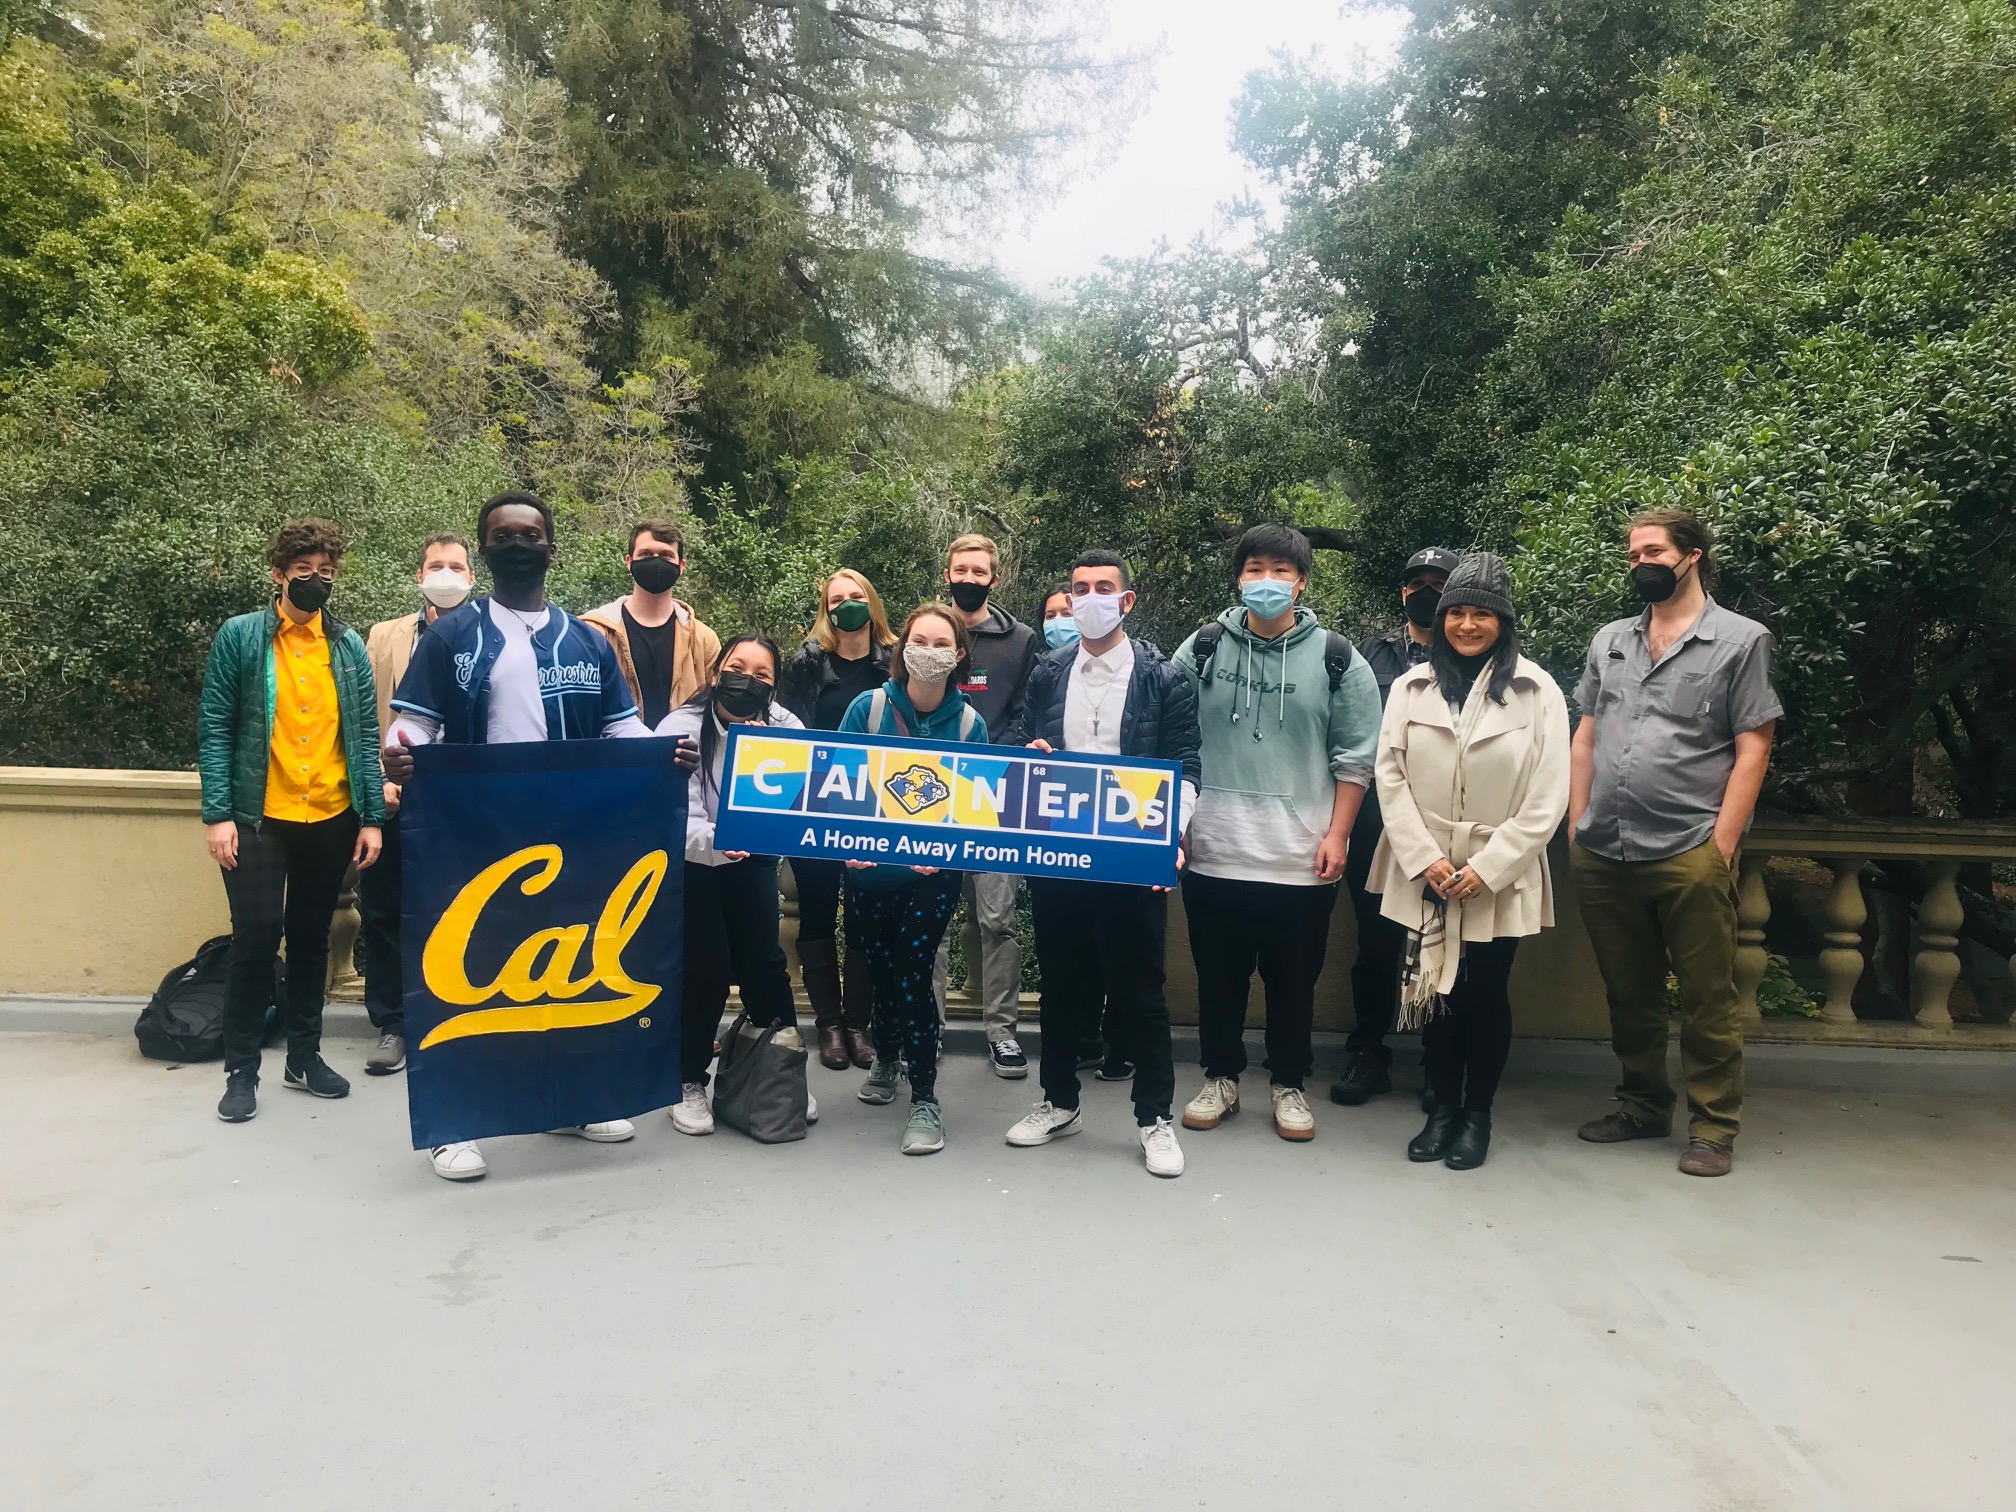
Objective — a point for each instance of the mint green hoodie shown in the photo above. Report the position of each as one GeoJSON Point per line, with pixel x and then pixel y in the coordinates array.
{"type": "Point", "coordinates": [1276, 742]}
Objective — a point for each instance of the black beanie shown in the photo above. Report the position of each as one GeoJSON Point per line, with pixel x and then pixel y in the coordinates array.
{"type": "Point", "coordinates": [1482, 581]}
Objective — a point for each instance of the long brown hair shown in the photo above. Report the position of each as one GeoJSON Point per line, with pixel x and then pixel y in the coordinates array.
{"type": "Point", "coordinates": [827, 637]}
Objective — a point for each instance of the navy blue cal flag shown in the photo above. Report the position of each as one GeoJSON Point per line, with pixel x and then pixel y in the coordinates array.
{"type": "Point", "coordinates": [543, 934]}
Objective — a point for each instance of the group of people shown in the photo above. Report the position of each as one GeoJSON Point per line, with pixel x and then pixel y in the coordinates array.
{"type": "Point", "coordinates": [1425, 770]}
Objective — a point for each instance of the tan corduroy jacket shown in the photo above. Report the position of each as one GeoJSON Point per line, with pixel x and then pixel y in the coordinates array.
{"type": "Point", "coordinates": [693, 650]}
{"type": "Point", "coordinates": [1515, 790]}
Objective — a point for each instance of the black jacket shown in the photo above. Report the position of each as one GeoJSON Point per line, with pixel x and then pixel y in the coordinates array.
{"type": "Point", "coordinates": [1160, 720]}
{"type": "Point", "coordinates": [1391, 656]}
{"type": "Point", "coordinates": [997, 679]}
{"type": "Point", "coordinates": [810, 672]}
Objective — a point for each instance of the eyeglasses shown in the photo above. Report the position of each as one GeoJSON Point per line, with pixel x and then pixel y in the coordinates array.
{"type": "Point", "coordinates": [327, 574]}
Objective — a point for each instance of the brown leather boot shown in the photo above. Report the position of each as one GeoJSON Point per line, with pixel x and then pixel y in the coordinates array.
{"type": "Point", "coordinates": [834, 1053]}
{"type": "Point", "coordinates": [861, 1048]}
{"type": "Point", "coordinates": [819, 962]}
{"type": "Point", "coordinates": [858, 997]}
{"type": "Point", "coordinates": [1704, 1157]}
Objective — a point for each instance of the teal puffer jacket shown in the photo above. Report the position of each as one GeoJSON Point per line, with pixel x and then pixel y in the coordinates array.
{"type": "Point", "coordinates": [235, 724]}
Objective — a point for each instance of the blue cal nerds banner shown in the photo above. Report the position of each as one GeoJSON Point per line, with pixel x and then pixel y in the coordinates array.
{"type": "Point", "coordinates": [940, 803]}
{"type": "Point", "coordinates": [543, 933]}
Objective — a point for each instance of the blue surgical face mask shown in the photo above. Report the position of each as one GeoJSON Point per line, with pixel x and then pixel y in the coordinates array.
{"type": "Point", "coordinates": [1267, 598]}
{"type": "Point", "coordinates": [1061, 632]}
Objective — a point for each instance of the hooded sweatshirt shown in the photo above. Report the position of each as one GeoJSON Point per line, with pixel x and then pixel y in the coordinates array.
{"type": "Point", "coordinates": [1276, 742]}
{"type": "Point", "coordinates": [997, 676]}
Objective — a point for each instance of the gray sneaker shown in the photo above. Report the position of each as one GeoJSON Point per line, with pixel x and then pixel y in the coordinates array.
{"type": "Point", "coordinates": [924, 1134]}
{"type": "Point", "coordinates": [390, 1055]}
{"type": "Point", "coordinates": [880, 1087]}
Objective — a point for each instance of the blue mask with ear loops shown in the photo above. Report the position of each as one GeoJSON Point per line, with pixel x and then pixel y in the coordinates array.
{"type": "Point", "coordinates": [1266, 598]}
{"type": "Point", "coordinates": [1059, 633]}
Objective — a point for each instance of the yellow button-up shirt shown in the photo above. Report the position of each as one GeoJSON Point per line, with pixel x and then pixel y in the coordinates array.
{"type": "Point", "coordinates": [306, 778]}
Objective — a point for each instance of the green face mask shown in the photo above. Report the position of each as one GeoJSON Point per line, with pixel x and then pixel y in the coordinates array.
{"type": "Point", "coordinates": [850, 615]}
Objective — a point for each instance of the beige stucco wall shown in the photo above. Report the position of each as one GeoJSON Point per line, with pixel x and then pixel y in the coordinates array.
{"type": "Point", "coordinates": [106, 885]}
{"type": "Point", "coordinates": [104, 882]}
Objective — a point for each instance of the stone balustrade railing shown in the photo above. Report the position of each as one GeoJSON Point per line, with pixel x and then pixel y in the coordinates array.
{"type": "Point", "coordinates": [1847, 846]}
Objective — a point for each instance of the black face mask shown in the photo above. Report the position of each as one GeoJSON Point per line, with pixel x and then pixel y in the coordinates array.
{"type": "Point", "coordinates": [518, 563]}
{"type": "Point", "coordinates": [655, 574]}
{"type": "Point", "coordinates": [308, 593]}
{"type": "Point", "coordinates": [1421, 606]}
{"type": "Point", "coordinates": [970, 596]}
{"type": "Point", "coordinates": [741, 695]}
{"type": "Point", "coordinates": [1655, 582]}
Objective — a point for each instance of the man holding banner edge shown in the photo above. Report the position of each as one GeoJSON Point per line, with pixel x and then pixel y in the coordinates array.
{"type": "Point", "coordinates": [1108, 695]}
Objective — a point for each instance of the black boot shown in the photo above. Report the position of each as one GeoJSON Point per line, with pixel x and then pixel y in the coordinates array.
{"type": "Point", "coordinates": [1365, 1077]}
{"type": "Point", "coordinates": [1432, 1143]}
{"type": "Point", "coordinates": [1472, 1142]}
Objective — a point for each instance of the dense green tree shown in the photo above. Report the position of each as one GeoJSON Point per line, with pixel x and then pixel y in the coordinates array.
{"type": "Point", "coordinates": [756, 179]}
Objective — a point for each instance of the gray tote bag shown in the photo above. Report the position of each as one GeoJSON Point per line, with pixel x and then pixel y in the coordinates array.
{"type": "Point", "coordinates": [759, 1085]}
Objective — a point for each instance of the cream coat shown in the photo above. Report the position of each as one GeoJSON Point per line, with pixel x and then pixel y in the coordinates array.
{"type": "Point", "coordinates": [1515, 793]}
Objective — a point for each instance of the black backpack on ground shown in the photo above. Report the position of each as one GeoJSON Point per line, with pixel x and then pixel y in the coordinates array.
{"type": "Point", "coordinates": [1337, 653]}
{"type": "Point", "coordinates": [184, 1020]}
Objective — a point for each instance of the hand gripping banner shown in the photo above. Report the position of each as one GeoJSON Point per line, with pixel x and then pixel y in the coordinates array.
{"type": "Point", "coordinates": [941, 803]}
{"type": "Point", "coordinates": [543, 935]}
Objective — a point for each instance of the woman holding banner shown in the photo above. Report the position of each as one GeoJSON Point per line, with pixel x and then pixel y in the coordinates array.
{"type": "Point", "coordinates": [846, 655]}
{"type": "Point", "coordinates": [897, 914]}
{"type": "Point", "coordinates": [731, 896]}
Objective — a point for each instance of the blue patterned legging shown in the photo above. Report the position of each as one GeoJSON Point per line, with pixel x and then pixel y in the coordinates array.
{"type": "Point", "coordinates": [898, 929]}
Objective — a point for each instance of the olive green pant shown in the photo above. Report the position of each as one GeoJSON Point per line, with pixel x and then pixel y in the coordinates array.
{"type": "Point", "coordinates": [1644, 918]}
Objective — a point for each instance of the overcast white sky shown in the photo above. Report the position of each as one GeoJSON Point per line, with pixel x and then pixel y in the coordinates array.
{"type": "Point", "coordinates": [1176, 165]}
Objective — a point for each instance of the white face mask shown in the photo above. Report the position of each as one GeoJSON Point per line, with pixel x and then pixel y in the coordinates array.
{"type": "Point", "coordinates": [1097, 615]}
{"type": "Point", "coordinates": [930, 664]}
{"type": "Point", "coordinates": [444, 587]}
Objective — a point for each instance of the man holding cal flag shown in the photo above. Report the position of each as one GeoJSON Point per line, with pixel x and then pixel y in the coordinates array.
{"type": "Point", "coordinates": [503, 668]}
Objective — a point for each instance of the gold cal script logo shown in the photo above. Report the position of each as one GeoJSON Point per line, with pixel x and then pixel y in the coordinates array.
{"type": "Point", "coordinates": [538, 980]}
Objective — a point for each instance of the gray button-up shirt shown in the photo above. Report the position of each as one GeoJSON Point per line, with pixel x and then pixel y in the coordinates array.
{"type": "Point", "coordinates": [1666, 734]}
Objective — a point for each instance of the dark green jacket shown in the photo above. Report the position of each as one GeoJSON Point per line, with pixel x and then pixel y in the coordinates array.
{"type": "Point", "coordinates": [235, 725]}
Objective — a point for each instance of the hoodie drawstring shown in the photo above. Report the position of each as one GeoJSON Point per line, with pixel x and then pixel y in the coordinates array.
{"type": "Point", "coordinates": [1246, 677]}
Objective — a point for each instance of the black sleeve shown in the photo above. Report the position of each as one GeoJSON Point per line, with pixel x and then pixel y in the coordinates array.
{"type": "Point", "coordinates": [1028, 720]}
{"type": "Point", "coordinates": [1018, 699]}
{"type": "Point", "coordinates": [1180, 739]}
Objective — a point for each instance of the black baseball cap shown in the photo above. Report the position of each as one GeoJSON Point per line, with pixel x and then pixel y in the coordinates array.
{"type": "Point", "coordinates": [1431, 559]}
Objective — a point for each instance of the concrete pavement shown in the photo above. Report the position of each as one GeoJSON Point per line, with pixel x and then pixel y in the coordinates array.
{"type": "Point", "coordinates": [297, 1314]}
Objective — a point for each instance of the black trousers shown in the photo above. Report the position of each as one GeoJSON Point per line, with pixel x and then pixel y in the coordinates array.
{"type": "Point", "coordinates": [731, 937]}
{"type": "Point", "coordinates": [1094, 938]}
{"type": "Point", "coordinates": [284, 886]}
{"type": "Point", "coordinates": [379, 898]}
{"type": "Point", "coordinates": [1278, 929]}
{"type": "Point", "coordinates": [1465, 1046]}
{"type": "Point", "coordinates": [898, 930]}
{"type": "Point", "coordinates": [1375, 974]}
{"type": "Point", "coordinates": [819, 888]}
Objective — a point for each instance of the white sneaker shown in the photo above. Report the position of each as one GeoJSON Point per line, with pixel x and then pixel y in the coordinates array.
{"type": "Point", "coordinates": [692, 1115]}
{"type": "Point", "coordinates": [1044, 1124]}
{"type": "Point", "coordinates": [811, 1109]}
{"type": "Point", "coordinates": [1292, 1117]}
{"type": "Point", "coordinates": [1159, 1148]}
{"type": "Point", "coordinates": [614, 1131]}
{"type": "Point", "coordinates": [1211, 1107]}
{"type": "Point", "coordinates": [460, 1162]}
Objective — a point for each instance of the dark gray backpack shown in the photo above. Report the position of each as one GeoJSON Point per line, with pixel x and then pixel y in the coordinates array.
{"type": "Point", "coordinates": [184, 1020]}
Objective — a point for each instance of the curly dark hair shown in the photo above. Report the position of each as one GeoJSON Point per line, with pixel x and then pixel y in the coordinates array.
{"type": "Point", "coordinates": [299, 538]}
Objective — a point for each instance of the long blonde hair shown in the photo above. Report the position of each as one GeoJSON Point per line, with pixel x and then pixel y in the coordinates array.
{"type": "Point", "coordinates": [879, 633]}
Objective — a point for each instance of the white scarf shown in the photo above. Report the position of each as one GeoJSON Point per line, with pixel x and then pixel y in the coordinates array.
{"type": "Point", "coordinates": [1435, 950]}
